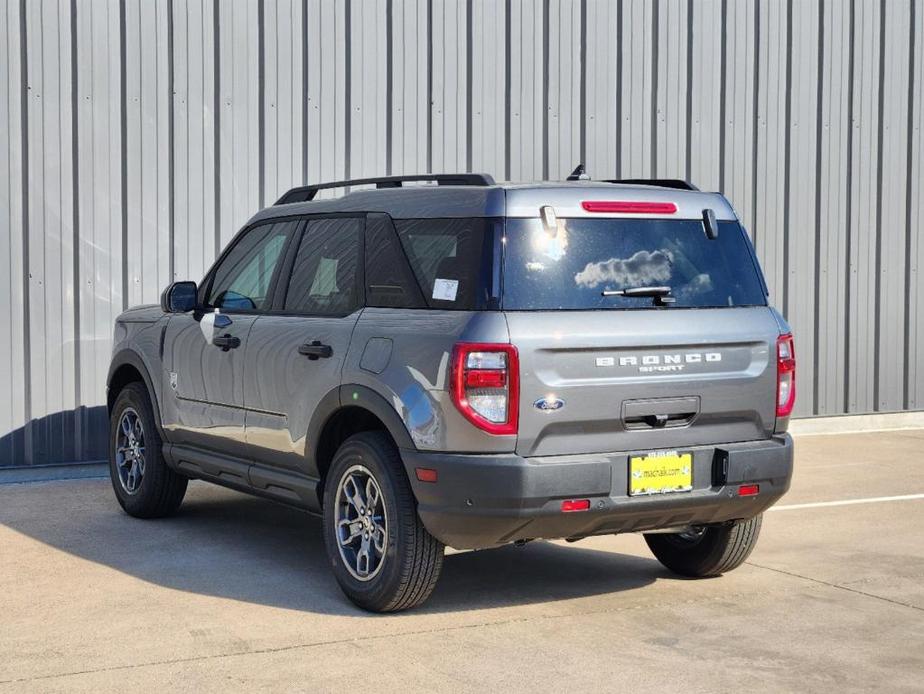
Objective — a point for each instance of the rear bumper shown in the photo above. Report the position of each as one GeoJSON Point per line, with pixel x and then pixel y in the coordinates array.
{"type": "Point", "coordinates": [486, 500]}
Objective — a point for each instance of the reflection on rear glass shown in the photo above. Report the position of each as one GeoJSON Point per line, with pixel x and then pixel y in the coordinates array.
{"type": "Point", "coordinates": [573, 267]}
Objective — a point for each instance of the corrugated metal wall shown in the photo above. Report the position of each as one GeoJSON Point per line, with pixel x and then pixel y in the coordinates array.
{"type": "Point", "coordinates": [137, 136]}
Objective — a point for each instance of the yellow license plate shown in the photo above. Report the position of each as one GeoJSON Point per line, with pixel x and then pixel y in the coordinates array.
{"type": "Point", "coordinates": [660, 472]}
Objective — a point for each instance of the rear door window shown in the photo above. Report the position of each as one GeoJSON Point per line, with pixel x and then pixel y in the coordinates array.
{"type": "Point", "coordinates": [324, 278]}
{"type": "Point", "coordinates": [572, 268]}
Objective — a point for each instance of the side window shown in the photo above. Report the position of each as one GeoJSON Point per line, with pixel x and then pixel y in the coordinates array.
{"type": "Point", "coordinates": [451, 259]}
{"type": "Point", "coordinates": [390, 282]}
{"type": "Point", "coordinates": [243, 278]}
{"type": "Point", "coordinates": [324, 277]}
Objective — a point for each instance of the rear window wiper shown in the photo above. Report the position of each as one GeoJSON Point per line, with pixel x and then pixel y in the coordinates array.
{"type": "Point", "coordinates": [661, 295]}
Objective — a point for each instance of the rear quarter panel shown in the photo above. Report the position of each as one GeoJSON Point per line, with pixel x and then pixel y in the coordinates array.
{"type": "Point", "coordinates": [404, 356]}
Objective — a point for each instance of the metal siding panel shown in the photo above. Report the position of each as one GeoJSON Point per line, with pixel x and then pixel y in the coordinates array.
{"type": "Point", "coordinates": [740, 65]}
{"type": "Point", "coordinates": [195, 169]}
{"type": "Point", "coordinates": [564, 82]}
{"type": "Point", "coordinates": [239, 157]}
{"type": "Point", "coordinates": [526, 91]}
{"type": "Point", "coordinates": [409, 84]}
{"type": "Point", "coordinates": [13, 414]}
{"type": "Point", "coordinates": [833, 220]}
{"type": "Point", "coordinates": [488, 87]}
{"type": "Point", "coordinates": [449, 99]}
{"type": "Point", "coordinates": [637, 85]}
{"type": "Point", "coordinates": [367, 98]}
{"type": "Point", "coordinates": [326, 81]}
{"type": "Point", "coordinates": [706, 94]}
{"type": "Point", "coordinates": [671, 115]}
{"type": "Point", "coordinates": [99, 207]}
{"type": "Point", "coordinates": [863, 200]}
{"type": "Point", "coordinates": [602, 116]}
{"type": "Point", "coordinates": [894, 157]}
{"type": "Point", "coordinates": [915, 295]}
{"type": "Point", "coordinates": [800, 249]}
{"type": "Point", "coordinates": [768, 226]}
{"type": "Point", "coordinates": [51, 215]}
{"type": "Point", "coordinates": [283, 94]}
{"type": "Point", "coordinates": [147, 114]}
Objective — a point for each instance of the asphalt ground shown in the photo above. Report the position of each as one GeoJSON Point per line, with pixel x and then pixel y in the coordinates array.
{"type": "Point", "coordinates": [234, 594]}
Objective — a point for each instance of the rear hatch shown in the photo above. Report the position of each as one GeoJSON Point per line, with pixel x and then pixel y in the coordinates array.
{"type": "Point", "coordinates": [606, 372]}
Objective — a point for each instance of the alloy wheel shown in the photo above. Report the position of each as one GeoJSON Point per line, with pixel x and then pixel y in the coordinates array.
{"type": "Point", "coordinates": [129, 454]}
{"type": "Point", "coordinates": [360, 523]}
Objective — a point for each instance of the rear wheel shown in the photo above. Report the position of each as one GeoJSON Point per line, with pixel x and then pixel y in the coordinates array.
{"type": "Point", "coordinates": [143, 484]}
{"type": "Point", "coordinates": [381, 554]}
{"type": "Point", "coordinates": [706, 551]}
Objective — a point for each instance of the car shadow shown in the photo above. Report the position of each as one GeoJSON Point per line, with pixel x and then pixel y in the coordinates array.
{"type": "Point", "coordinates": [234, 546]}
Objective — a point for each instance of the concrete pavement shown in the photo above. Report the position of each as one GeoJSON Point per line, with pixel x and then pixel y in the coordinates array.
{"type": "Point", "coordinates": [234, 594]}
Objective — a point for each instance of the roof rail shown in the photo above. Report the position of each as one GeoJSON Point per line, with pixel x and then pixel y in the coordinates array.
{"type": "Point", "coordinates": [676, 183]}
{"type": "Point", "coordinates": [307, 193]}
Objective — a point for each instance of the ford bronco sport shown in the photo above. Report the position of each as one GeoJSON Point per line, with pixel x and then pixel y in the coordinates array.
{"type": "Point", "coordinates": [469, 364]}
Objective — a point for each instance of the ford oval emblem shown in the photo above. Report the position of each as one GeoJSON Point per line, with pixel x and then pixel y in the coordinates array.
{"type": "Point", "coordinates": [549, 404]}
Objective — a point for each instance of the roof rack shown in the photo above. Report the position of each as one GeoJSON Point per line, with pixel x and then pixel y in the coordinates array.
{"type": "Point", "coordinates": [676, 183]}
{"type": "Point", "coordinates": [307, 193]}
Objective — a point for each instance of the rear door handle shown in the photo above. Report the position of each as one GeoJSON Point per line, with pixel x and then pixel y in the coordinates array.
{"type": "Point", "coordinates": [314, 350]}
{"type": "Point", "coordinates": [226, 342]}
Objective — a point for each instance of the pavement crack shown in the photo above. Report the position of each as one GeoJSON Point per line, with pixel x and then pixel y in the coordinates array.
{"type": "Point", "coordinates": [837, 586]}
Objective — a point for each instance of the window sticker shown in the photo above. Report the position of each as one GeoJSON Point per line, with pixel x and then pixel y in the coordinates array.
{"type": "Point", "coordinates": [445, 290]}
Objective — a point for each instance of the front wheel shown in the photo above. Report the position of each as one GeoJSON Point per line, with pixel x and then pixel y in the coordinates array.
{"type": "Point", "coordinates": [706, 551]}
{"type": "Point", "coordinates": [381, 554]}
{"type": "Point", "coordinates": [143, 483]}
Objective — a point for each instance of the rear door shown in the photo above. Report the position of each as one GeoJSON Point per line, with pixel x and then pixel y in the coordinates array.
{"type": "Point", "coordinates": [295, 355]}
{"type": "Point", "coordinates": [603, 372]}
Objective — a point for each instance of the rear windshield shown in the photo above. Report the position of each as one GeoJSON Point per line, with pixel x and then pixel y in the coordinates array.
{"type": "Point", "coordinates": [572, 268]}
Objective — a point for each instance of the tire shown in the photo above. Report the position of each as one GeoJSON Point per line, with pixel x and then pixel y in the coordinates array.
{"type": "Point", "coordinates": [159, 491]}
{"type": "Point", "coordinates": [714, 551]}
{"type": "Point", "coordinates": [402, 560]}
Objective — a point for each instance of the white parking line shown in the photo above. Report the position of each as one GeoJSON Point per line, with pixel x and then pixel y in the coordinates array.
{"type": "Point", "coordinates": [847, 502]}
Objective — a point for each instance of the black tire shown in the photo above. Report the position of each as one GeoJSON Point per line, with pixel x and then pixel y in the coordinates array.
{"type": "Point", "coordinates": [161, 490]}
{"type": "Point", "coordinates": [716, 550]}
{"type": "Point", "coordinates": [412, 558]}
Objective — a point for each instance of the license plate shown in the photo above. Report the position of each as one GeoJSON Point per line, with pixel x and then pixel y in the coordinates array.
{"type": "Point", "coordinates": [660, 472]}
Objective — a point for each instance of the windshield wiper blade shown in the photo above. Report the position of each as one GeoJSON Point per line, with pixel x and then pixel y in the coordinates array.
{"type": "Point", "coordinates": [661, 295]}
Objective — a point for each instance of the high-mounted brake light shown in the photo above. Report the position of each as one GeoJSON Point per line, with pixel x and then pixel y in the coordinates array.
{"type": "Point", "coordinates": [485, 385]}
{"type": "Point", "coordinates": [629, 207]}
{"type": "Point", "coordinates": [785, 375]}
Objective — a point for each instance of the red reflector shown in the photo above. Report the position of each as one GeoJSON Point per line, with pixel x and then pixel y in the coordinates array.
{"type": "Point", "coordinates": [575, 505]}
{"type": "Point", "coordinates": [748, 489]}
{"type": "Point", "coordinates": [629, 206]}
{"type": "Point", "coordinates": [483, 378]}
{"type": "Point", "coordinates": [426, 474]}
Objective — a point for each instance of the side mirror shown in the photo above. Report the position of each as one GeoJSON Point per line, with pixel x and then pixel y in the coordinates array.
{"type": "Point", "coordinates": [179, 297]}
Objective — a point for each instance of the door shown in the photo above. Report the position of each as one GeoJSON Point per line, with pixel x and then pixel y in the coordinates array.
{"type": "Point", "coordinates": [295, 356]}
{"type": "Point", "coordinates": [206, 376]}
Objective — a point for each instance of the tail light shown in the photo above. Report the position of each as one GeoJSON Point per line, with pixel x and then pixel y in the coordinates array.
{"type": "Point", "coordinates": [785, 375]}
{"type": "Point", "coordinates": [485, 385]}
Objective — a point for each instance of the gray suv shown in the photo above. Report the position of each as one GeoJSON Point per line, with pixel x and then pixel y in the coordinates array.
{"type": "Point", "coordinates": [469, 364]}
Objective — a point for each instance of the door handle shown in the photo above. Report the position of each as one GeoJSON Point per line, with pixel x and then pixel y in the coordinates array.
{"type": "Point", "coordinates": [226, 342]}
{"type": "Point", "coordinates": [314, 350]}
